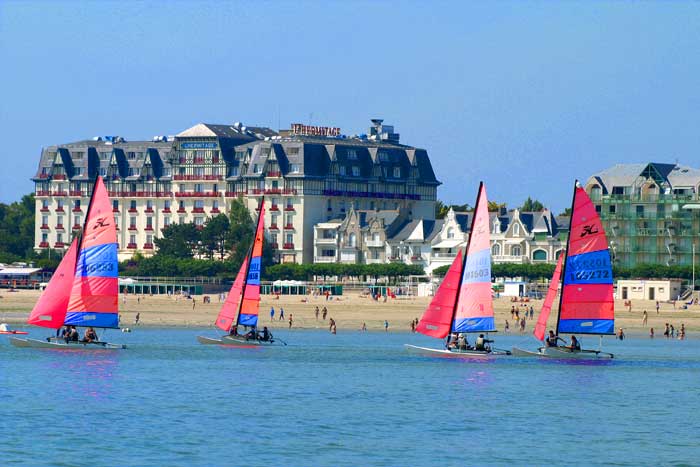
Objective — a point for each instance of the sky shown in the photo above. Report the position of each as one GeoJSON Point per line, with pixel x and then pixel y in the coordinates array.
{"type": "Point", "coordinates": [525, 95]}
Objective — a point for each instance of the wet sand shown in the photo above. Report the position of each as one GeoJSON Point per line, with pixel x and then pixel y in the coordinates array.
{"type": "Point", "coordinates": [349, 312]}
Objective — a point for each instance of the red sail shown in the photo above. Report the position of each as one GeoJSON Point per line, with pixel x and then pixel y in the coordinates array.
{"type": "Point", "coordinates": [227, 315]}
{"type": "Point", "coordinates": [541, 325]}
{"type": "Point", "coordinates": [50, 310]}
{"type": "Point", "coordinates": [437, 319]}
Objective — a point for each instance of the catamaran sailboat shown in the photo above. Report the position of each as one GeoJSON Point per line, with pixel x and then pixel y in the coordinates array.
{"type": "Point", "coordinates": [243, 301]}
{"type": "Point", "coordinates": [586, 304]}
{"type": "Point", "coordinates": [83, 292]}
{"type": "Point", "coordinates": [464, 303]}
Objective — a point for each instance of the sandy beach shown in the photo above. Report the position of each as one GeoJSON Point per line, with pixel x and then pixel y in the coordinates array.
{"type": "Point", "coordinates": [349, 312]}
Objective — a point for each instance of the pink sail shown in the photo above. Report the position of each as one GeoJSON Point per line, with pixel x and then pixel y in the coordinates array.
{"type": "Point", "coordinates": [93, 299]}
{"type": "Point", "coordinates": [437, 318]}
{"type": "Point", "coordinates": [474, 311]}
{"type": "Point", "coordinates": [251, 290]}
{"type": "Point", "coordinates": [50, 309]}
{"type": "Point", "coordinates": [227, 315]}
{"type": "Point", "coordinates": [541, 325]}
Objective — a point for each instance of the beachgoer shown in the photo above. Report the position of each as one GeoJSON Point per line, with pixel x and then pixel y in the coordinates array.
{"type": "Point", "coordinates": [272, 313]}
{"type": "Point", "coordinates": [482, 343]}
{"type": "Point", "coordinates": [325, 313]}
{"type": "Point", "coordinates": [90, 335]}
{"type": "Point", "coordinates": [413, 326]}
{"type": "Point", "coordinates": [281, 314]}
{"type": "Point", "coordinates": [290, 320]}
{"type": "Point", "coordinates": [575, 345]}
{"type": "Point", "coordinates": [194, 302]}
{"type": "Point", "coordinates": [532, 312]}
{"type": "Point", "coordinates": [644, 317]}
{"type": "Point", "coordinates": [621, 334]}
{"type": "Point", "coordinates": [667, 331]}
{"type": "Point", "coordinates": [364, 326]}
{"type": "Point", "coordinates": [138, 318]}
{"type": "Point", "coordinates": [507, 328]}
{"type": "Point", "coordinates": [522, 325]}
{"type": "Point", "coordinates": [316, 312]}
{"type": "Point", "coordinates": [657, 307]}
{"type": "Point", "coordinates": [681, 334]}
{"type": "Point", "coordinates": [552, 339]}
{"type": "Point", "coordinates": [386, 326]}
{"type": "Point", "coordinates": [673, 330]}
{"type": "Point", "coordinates": [651, 333]}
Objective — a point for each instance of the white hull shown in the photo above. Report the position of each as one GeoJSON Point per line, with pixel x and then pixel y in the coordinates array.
{"type": "Point", "coordinates": [234, 341]}
{"type": "Point", "coordinates": [453, 353]}
{"type": "Point", "coordinates": [562, 353]}
{"type": "Point", "coordinates": [39, 344]}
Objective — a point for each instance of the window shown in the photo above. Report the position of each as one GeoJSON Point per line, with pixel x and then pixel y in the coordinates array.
{"type": "Point", "coordinates": [352, 240]}
{"type": "Point", "coordinates": [133, 171]}
{"type": "Point", "coordinates": [383, 156]}
{"type": "Point", "coordinates": [44, 238]}
{"type": "Point", "coordinates": [76, 204]}
{"type": "Point", "coordinates": [293, 151]}
{"type": "Point", "coordinates": [240, 155]}
{"type": "Point", "coordinates": [103, 172]}
{"type": "Point", "coordinates": [539, 255]}
{"type": "Point", "coordinates": [257, 169]}
{"type": "Point", "coordinates": [149, 222]}
{"type": "Point", "coordinates": [132, 204]}
{"type": "Point", "coordinates": [131, 156]}
{"type": "Point", "coordinates": [355, 171]}
{"type": "Point", "coordinates": [329, 205]}
{"type": "Point", "coordinates": [149, 204]}
{"type": "Point", "coordinates": [199, 171]}
{"type": "Point", "coordinates": [288, 219]}
{"type": "Point", "coordinates": [167, 204]}
{"type": "Point", "coordinates": [132, 221]}
{"type": "Point", "coordinates": [290, 238]}
{"type": "Point", "coordinates": [294, 168]}
{"type": "Point", "coordinates": [181, 220]}
{"type": "Point", "coordinates": [328, 253]}
{"type": "Point", "coordinates": [115, 204]}
{"type": "Point", "coordinates": [273, 238]}
{"type": "Point", "coordinates": [215, 171]}
{"type": "Point", "coordinates": [167, 171]}
{"type": "Point", "coordinates": [496, 250]}
{"type": "Point", "coordinates": [77, 220]}
{"type": "Point", "coordinates": [397, 172]}
{"type": "Point", "coordinates": [289, 203]}
{"type": "Point", "coordinates": [450, 233]}
{"type": "Point", "coordinates": [215, 204]}
{"type": "Point", "coordinates": [198, 187]}
{"type": "Point", "coordinates": [199, 204]}
{"type": "Point", "coordinates": [515, 250]}
{"type": "Point", "coordinates": [44, 220]}
{"type": "Point", "coordinates": [105, 156]}
{"type": "Point", "coordinates": [149, 239]}
{"type": "Point", "coordinates": [44, 204]}
{"type": "Point", "coordinates": [516, 229]}
{"type": "Point", "coordinates": [132, 239]}
{"type": "Point", "coordinates": [166, 221]}
{"type": "Point", "coordinates": [60, 204]}
{"type": "Point", "coordinates": [352, 154]}
{"type": "Point", "coordinates": [199, 221]}
{"type": "Point", "coordinates": [234, 171]}
{"type": "Point", "coordinates": [341, 170]}
{"type": "Point", "coordinates": [59, 238]}
{"type": "Point", "coordinates": [273, 220]}
{"type": "Point", "coordinates": [78, 155]}
{"type": "Point", "coordinates": [182, 205]}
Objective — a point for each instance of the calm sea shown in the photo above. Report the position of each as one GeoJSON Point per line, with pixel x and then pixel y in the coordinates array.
{"type": "Point", "coordinates": [347, 400]}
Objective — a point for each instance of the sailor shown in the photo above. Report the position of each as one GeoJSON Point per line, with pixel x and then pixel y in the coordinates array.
{"type": "Point", "coordinates": [234, 331]}
{"type": "Point", "coordinates": [452, 340]}
{"type": "Point", "coordinates": [265, 334]}
{"type": "Point", "coordinates": [575, 345]}
{"type": "Point", "coordinates": [73, 335]}
{"type": "Point", "coordinates": [552, 339]}
{"type": "Point", "coordinates": [481, 343]}
{"type": "Point", "coordinates": [252, 334]}
{"type": "Point", "coordinates": [90, 335]}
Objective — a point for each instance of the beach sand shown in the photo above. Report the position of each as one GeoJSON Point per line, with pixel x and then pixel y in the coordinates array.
{"type": "Point", "coordinates": [349, 312]}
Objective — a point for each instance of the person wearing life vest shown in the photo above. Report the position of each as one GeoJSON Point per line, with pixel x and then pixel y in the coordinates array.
{"type": "Point", "coordinates": [575, 345]}
{"type": "Point", "coordinates": [481, 343]}
{"type": "Point", "coordinates": [553, 339]}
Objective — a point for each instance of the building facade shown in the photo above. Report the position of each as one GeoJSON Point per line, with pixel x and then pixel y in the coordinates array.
{"type": "Point", "coordinates": [306, 175]}
{"type": "Point", "coordinates": [650, 212]}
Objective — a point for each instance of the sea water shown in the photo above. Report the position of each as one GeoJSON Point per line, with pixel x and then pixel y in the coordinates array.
{"type": "Point", "coordinates": [352, 399]}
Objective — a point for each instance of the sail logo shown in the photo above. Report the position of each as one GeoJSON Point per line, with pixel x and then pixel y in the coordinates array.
{"type": "Point", "coordinates": [100, 222]}
{"type": "Point", "coordinates": [589, 230]}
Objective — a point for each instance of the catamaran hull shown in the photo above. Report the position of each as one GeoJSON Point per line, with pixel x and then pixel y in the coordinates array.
{"type": "Point", "coordinates": [39, 344]}
{"type": "Point", "coordinates": [233, 341]}
{"type": "Point", "coordinates": [427, 351]}
{"type": "Point", "coordinates": [562, 353]}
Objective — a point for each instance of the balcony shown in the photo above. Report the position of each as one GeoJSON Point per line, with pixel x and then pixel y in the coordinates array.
{"type": "Point", "coordinates": [289, 227]}
{"type": "Point", "coordinates": [77, 227]}
{"type": "Point", "coordinates": [133, 210]}
{"type": "Point", "coordinates": [273, 227]}
{"type": "Point", "coordinates": [166, 210]}
{"type": "Point", "coordinates": [77, 210]}
{"type": "Point", "coordinates": [199, 227]}
{"type": "Point", "coordinates": [234, 194]}
{"type": "Point", "coordinates": [198, 177]}
{"type": "Point", "coordinates": [140, 194]}
{"type": "Point", "coordinates": [44, 176]}
{"type": "Point", "coordinates": [288, 246]}
{"type": "Point", "coordinates": [44, 245]}
{"type": "Point", "coordinates": [374, 243]}
{"type": "Point", "coordinates": [274, 173]}
{"type": "Point", "coordinates": [324, 259]}
{"type": "Point", "coordinates": [326, 240]}
{"type": "Point", "coordinates": [75, 193]}
{"type": "Point", "coordinates": [266, 191]}
{"type": "Point", "coordinates": [60, 193]}
{"type": "Point", "coordinates": [131, 246]}
{"type": "Point", "coordinates": [132, 227]}
{"type": "Point", "coordinates": [197, 194]}
{"type": "Point", "coordinates": [115, 209]}
{"type": "Point", "coordinates": [149, 228]}
{"type": "Point", "coordinates": [60, 209]}
{"type": "Point", "coordinates": [44, 227]}
{"type": "Point", "coordinates": [274, 246]}
{"type": "Point", "coordinates": [58, 245]}
{"type": "Point", "coordinates": [59, 226]}
{"type": "Point", "coordinates": [215, 211]}
{"type": "Point", "coordinates": [148, 211]}
{"type": "Point", "coordinates": [59, 176]}
{"type": "Point", "coordinates": [148, 246]}
{"type": "Point", "coordinates": [274, 207]}
{"type": "Point", "coordinates": [198, 210]}
{"type": "Point", "coordinates": [44, 209]}
{"type": "Point", "coordinates": [43, 193]}
{"type": "Point", "coordinates": [289, 208]}
{"type": "Point", "coordinates": [289, 191]}
{"type": "Point", "coordinates": [181, 210]}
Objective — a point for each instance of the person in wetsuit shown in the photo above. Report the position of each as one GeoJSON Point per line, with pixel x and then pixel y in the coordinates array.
{"type": "Point", "coordinates": [552, 339]}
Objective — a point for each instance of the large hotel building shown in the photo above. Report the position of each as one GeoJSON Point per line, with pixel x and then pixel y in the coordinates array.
{"type": "Point", "coordinates": [307, 174]}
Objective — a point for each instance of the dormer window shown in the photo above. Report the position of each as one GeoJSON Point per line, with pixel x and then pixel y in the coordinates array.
{"type": "Point", "coordinates": [342, 170]}
{"type": "Point", "coordinates": [450, 233]}
{"type": "Point", "coordinates": [293, 151]}
{"type": "Point", "coordinates": [355, 171]}
{"type": "Point", "coordinates": [397, 172]}
{"type": "Point", "coordinates": [352, 154]}
{"type": "Point", "coordinates": [240, 155]}
{"type": "Point", "coordinates": [516, 229]}
{"type": "Point", "coordinates": [383, 156]}
{"type": "Point", "coordinates": [294, 168]}
{"type": "Point", "coordinates": [257, 169]}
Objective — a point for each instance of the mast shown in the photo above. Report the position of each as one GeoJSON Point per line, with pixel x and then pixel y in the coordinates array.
{"type": "Point", "coordinates": [87, 216]}
{"type": "Point", "coordinates": [566, 253]}
{"type": "Point", "coordinates": [249, 256]}
{"type": "Point", "coordinates": [464, 259]}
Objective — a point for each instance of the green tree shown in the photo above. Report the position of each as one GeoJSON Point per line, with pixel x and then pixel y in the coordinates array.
{"type": "Point", "coordinates": [441, 209]}
{"type": "Point", "coordinates": [216, 237]}
{"type": "Point", "coordinates": [531, 205]}
{"type": "Point", "coordinates": [17, 227]}
{"type": "Point", "coordinates": [567, 212]}
{"type": "Point", "coordinates": [495, 206]}
{"type": "Point", "coordinates": [241, 230]}
{"type": "Point", "coordinates": [178, 241]}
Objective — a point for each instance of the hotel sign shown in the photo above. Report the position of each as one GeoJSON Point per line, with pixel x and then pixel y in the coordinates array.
{"type": "Point", "coordinates": [311, 130]}
{"type": "Point", "coordinates": [198, 146]}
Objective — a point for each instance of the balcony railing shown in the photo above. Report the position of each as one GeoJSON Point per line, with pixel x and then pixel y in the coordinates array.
{"type": "Point", "coordinates": [215, 211]}
{"type": "Point", "coordinates": [233, 194]}
{"type": "Point", "coordinates": [273, 227]}
{"type": "Point", "coordinates": [131, 246]}
{"type": "Point", "coordinates": [77, 227]}
{"type": "Point", "coordinates": [149, 211]}
{"type": "Point", "coordinates": [140, 194]}
{"type": "Point", "coordinates": [274, 207]}
{"type": "Point", "coordinates": [149, 228]}
{"type": "Point", "coordinates": [44, 227]}
{"type": "Point", "coordinates": [181, 210]}
{"type": "Point", "coordinates": [289, 208]}
{"type": "Point", "coordinates": [374, 243]}
{"type": "Point", "coordinates": [274, 246]}
{"type": "Point", "coordinates": [59, 226]}
{"type": "Point", "coordinates": [43, 244]}
{"type": "Point", "coordinates": [166, 210]}
{"type": "Point", "coordinates": [148, 246]}
{"type": "Point", "coordinates": [76, 193]}
{"type": "Point", "coordinates": [198, 177]}
{"type": "Point", "coordinates": [274, 173]}
{"type": "Point", "coordinates": [198, 210]}
{"type": "Point", "coordinates": [327, 241]}
{"type": "Point", "coordinates": [133, 210]}
{"type": "Point", "coordinates": [288, 246]}
{"type": "Point", "coordinates": [197, 194]}
{"type": "Point", "coordinates": [43, 193]}
{"type": "Point", "coordinates": [289, 191]}
{"type": "Point", "coordinates": [60, 193]}
{"type": "Point", "coordinates": [266, 191]}
{"type": "Point", "coordinates": [289, 227]}
{"type": "Point", "coordinates": [58, 245]}
{"type": "Point", "coordinates": [44, 209]}
{"type": "Point", "coordinates": [132, 227]}
{"type": "Point", "coordinates": [77, 210]}
{"type": "Point", "coordinates": [44, 176]}
{"type": "Point", "coordinates": [59, 176]}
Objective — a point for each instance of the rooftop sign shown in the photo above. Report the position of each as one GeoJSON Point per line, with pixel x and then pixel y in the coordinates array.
{"type": "Point", "coordinates": [311, 130]}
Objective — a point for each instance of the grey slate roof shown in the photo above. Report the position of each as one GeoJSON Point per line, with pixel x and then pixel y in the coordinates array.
{"type": "Point", "coordinates": [622, 175]}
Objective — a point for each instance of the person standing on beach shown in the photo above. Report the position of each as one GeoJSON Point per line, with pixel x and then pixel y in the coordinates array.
{"type": "Point", "coordinates": [651, 333]}
{"type": "Point", "coordinates": [681, 335]}
{"type": "Point", "coordinates": [364, 327]}
{"type": "Point", "coordinates": [281, 314]}
{"type": "Point", "coordinates": [316, 312]}
{"type": "Point", "coordinates": [413, 326]}
{"type": "Point", "coordinates": [666, 331]}
{"type": "Point", "coordinates": [386, 326]}
{"type": "Point", "coordinates": [138, 317]}
{"type": "Point", "coordinates": [291, 319]}
{"type": "Point", "coordinates": [644, 317]}
{"type": "Point", "coordinates": [507, 328]}
{"type": "Point", "coordinates": [194, 302]}
{"type": "Point", "coordinates": [331, 324]}
{"type": "Point", "coordinates": [325, 313]}
{"type": "Point", "coordinates": [272, 313]}
{"type": "Point", "coordinates": [657, 307]}
{"type": "Point", "coordinates": [532, 312]}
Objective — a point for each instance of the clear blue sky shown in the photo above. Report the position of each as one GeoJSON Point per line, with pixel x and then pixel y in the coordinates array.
{"type": "Point", "coordinates": [525, 95]}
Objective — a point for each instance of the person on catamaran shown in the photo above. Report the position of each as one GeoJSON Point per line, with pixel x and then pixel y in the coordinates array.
{"type": "Point", "coordinates": [234, 331]}
{"type": "Point", "coordinates": [575, 345]}
{"type": "Point", "coordinates": [553, 339]}
{"type": "Point", "coordinates": [252, 334]}
{"type": "Point", "coordinates": [462, 343]}
{"type": "Point", "coordinates": [90, 335]}
{"type": "Point", "coordinates": [452, 340]}
{"type": "Point", "coordinates": [265, 335]}
{"type": "Point", "coordinates": [482, 343]}
{"type": "Point", "coordinates": [73, 335]}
